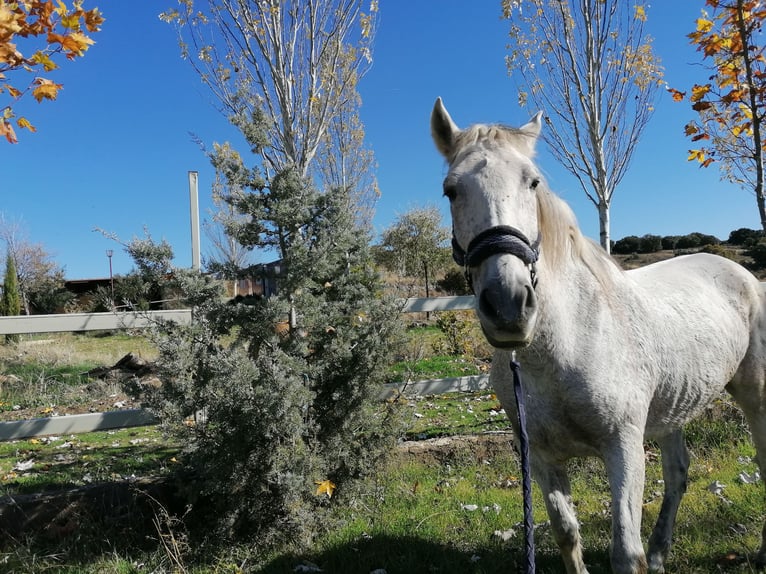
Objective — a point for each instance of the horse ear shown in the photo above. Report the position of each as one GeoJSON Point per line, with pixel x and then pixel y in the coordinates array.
{"type": "Point", "coordinates": [443, 129]}
{"type": "Point", "coordinates": [534, 125]}
{"type": "Point", "coordinates": [532, 130]}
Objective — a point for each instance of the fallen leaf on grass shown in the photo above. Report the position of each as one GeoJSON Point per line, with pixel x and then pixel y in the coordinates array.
{"type": "Point", "coordinates": [325, 487]}
{"type": "Point", "coordinates": [746, 478]}
{"type": "Point", "coordinates": [504, 535]}
{"type": "Point", "coordinates": [23, 466]}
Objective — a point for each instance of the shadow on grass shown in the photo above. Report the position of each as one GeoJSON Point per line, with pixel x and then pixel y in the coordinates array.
{"type": "Point", "coordinates": [409, 554]}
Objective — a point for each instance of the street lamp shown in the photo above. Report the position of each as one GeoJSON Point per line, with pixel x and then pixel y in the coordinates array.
{"type": "Point", "coordinates": [109, 253]}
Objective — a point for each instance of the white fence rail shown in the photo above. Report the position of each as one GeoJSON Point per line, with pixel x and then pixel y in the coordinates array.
{"type": "Point", "coordinates": [71, 322]}
{"type": "Point", "coordinates": [73, 424]}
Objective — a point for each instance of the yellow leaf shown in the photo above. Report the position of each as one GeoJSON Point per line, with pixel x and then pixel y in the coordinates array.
{"type": "Point", "coordinates": [704, 25]}
{"type": "Point", "coordinates": [696, 154]}
{"type": "Point", "coordinates": [44, 60]}
{"type": "Point", "coordinates": [325, 487]}
{"type": "Point", "coordinates": [45, 90]}
{"type": "Point", "coordinates": [24, 123]}
{"type": "Point", "coordinates": [699, 92]}
{"type": "Point", "coordinates": [640, 13]}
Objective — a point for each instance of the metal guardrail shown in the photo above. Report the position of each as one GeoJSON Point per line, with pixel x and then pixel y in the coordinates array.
{"type": "Point", "coordinates": [73, 424]}
{"type": "Point", "coordinates": [72, 322]}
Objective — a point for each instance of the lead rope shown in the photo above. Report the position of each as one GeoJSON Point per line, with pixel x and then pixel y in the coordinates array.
{"type": "Point", "coordinates": [526, 478]}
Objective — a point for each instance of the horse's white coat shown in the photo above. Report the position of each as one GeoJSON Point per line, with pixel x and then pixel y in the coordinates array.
{"type": "Point", "coordinates": [609, 357]}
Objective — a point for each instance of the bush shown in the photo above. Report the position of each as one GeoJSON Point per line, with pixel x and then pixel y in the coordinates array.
{"type": "Point", "coordinates": [650, 244]}
{"type": "Point", "coordinates": [758, 253]}
{"type": "Point", "coordinates": [457, 333]}
{"type": "Point", "coordinates": [745, 237]}
{"type": "Point", "coordinates": [669, 242]}
{"type": "Point", "coordinates": [283, 410]}
{"type": "Point", "coordinates": [454, 283]}
{"type": "Point", "coordinates": [696, 240]}
{"type": "Point", "coordinates": [627, 245]}
{"type": "Point", "coordinates": [719, 250]}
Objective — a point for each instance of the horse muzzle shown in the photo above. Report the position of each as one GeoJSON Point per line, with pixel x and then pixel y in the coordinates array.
{"type": "Point", "coordinates": [506, 303]}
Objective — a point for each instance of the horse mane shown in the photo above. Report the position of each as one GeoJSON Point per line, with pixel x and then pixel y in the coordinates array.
{"type": "Point", "coordinates": [492, 133]}
{"type": "Point", "coordinates": [561, 237]}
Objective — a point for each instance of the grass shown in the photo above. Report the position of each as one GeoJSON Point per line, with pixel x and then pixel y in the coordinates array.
{"type": "Point", "coordinates": [57, 462]}
{"type": "Point", "coordinates": [417, 514]}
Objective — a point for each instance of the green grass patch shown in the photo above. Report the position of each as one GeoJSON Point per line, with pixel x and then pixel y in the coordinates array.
{"type": "Point", "coordinates": [51, 463]}
{"type": "Point", "coordinates": [434, 367]}
{"type": "Point", "coordinates": [455, 414]}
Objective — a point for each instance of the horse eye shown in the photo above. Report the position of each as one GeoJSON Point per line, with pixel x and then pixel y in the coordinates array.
{"type": "Point", "coordinates": [450, 191]}
{"type": "Point", "coordinates": [535, 182]}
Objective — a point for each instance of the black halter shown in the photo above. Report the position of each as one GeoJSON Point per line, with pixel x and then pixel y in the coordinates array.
{"type": "Point", "coordinates": [493, 241]}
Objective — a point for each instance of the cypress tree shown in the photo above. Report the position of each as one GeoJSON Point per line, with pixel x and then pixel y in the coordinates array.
{"type": "Point", "coordinates": [10, 302]}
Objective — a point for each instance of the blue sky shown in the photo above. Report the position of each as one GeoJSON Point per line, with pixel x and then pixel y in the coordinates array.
{"type": "Point", "coordinates": [114, 150]}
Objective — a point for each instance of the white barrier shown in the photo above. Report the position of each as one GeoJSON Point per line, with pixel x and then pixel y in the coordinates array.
{"type": "Point", "coordinates": [73, 424]}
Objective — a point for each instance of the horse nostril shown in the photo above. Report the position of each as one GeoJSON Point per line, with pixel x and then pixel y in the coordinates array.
{"type": "Point", "coordinates": [488, 305]}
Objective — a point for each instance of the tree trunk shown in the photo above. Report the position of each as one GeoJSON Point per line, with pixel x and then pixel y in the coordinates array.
{"type": "Point", "coordinates": [603, 223]}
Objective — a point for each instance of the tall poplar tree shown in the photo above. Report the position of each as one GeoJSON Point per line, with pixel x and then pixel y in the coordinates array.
{"type": "Point", "coordinates": [589, 66]}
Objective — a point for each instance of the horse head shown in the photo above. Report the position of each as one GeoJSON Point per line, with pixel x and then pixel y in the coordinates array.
{"type": "Point", "coordinates": [491, 186]}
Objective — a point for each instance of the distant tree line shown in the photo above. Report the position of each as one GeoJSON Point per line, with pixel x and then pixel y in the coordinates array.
{"type": "Point", "coordinates": [652, 243]}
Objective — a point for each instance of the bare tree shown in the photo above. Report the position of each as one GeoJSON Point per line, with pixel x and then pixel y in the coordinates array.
{"type": "Point", "coordinates": [296, 61]}
{"type": "Point", "coordinates": [227, 255]}
{"type": "Point", "coordinates": [35, 268]}
{"type": "Point", "coordinates": [590, 66]}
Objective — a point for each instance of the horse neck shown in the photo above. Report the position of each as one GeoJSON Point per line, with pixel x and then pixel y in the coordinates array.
{"type": "Point", "coordinates": [576, 296]}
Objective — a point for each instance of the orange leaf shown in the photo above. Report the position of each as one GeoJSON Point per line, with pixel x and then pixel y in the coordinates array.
{"type": "Point", "coordinates": [7, 130]}
{"type": "Point", "coordinates": [677, 96]}
{"type": "Point", "coordinates": [325, 487]}
{"type": "Point", "coordinates": [699, 92]}
{"type": "Point", "coordinates": [93, 20]}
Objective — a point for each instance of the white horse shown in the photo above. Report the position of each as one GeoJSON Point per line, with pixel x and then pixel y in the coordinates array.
{"type": "Point", "coordinates": [610, 358]}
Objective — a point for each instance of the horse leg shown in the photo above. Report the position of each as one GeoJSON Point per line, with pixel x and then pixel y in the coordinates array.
{"type": "Point", "coordinates": [554, 483]}
{"type": "Point", "coordinates": [756, 418]}
{"type": "Point", "coordinates": [675, 466]}
{"type": "Point", "coordinates": [625, 467]}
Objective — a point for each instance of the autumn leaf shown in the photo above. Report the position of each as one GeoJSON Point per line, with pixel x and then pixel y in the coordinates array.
{"type": "Point", "coordinates": [696, 155]}
{"type": "Point", "coordinates": [677, 95]}
{"type": "Point", "coordinates": [45, 90]}
{"type": "Point", "coordinates": [44, 60]}
{"type": "Point", "coordinates": [640, 13]}
{"type": "Point", "coordinates": [699, 92]}
{"type": "Point", "coordinates": [6, 129]}
{"type": "Point", "coordinates": [704, 25]}
{"type": "Point", "coordinates": [325, 487]}
{"type": "Point", "coordinates": [24, 123]}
